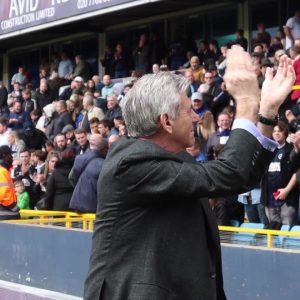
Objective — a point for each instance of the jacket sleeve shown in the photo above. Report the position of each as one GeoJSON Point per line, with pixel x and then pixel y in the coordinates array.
{"type": "Point", "coordinates": [240, 166]}
{"type": "Point", "coordinates": [50, 191]}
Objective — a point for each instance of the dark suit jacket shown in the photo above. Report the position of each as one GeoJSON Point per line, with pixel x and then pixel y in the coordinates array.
{"type": "Point", "coordinates": [155, 235]}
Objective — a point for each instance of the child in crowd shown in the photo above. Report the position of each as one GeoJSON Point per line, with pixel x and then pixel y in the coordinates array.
{"type": "Point", "coordinates": [22, 195]}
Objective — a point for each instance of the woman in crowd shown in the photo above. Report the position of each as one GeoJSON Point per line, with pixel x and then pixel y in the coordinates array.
{"type": "Point", "coordinates": [205, 127]}
{"type": "Point", "coordinates": [90, 86]}
{"type": "Point", "coordinates": [42, 178]}
{"type": "Point", "coordinates": [59, 190]}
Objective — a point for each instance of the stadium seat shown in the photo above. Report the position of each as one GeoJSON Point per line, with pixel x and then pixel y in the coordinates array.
{"type": "Point", "coordinates": [277, 239]}
{"type": "Point", "coordinates": [292, 242]}
{"type": "Point", "coordinates": [234, 223]}
{"type": "Point", "coordinates": [247, 238]}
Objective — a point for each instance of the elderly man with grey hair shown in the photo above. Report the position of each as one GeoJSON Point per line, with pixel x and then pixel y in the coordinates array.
{"type": "Point", "coordinates": [113, 108]}
{"type": "Point", "coordinates": [90, 112]}
{"type": "Point", "coordinates": [155, 236]}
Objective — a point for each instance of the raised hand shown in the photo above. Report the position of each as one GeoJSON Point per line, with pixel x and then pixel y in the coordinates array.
{"type": "Point", "coordinates": [241, 82]}
{"type": "Point", "coordinates": [276, 88]}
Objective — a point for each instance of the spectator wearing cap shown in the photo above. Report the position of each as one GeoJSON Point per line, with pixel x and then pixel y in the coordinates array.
{"type": "Point", "coordinates": [79, 83]}
{"type": "Point", "coordinates": [82, 68]}
{"type": "Point", "coordinates": [108, 86]}
{"type": "Point", "coordinates": [68, 131]}
{"type": "Point", "coordinates": [197, 70]}
{"type": "Point", "coordinates": [8, 199]}
{"type": "Point", "coordinates": [43, 96]}
{"type": "Point", "coordinates": [198, 105]}
{"type": "Point", "coordinates": [64, 118]}
{"type": "Point", "coordinates": [113, 108]}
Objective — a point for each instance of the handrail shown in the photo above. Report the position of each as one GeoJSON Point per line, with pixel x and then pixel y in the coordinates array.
{"type": "Point", "coordinates": [50, 216]}
{"type": "Point", "coordinates": [268, 232]}
{"type": "Point", "coordinates": [46, 213]}
{"type": "Point", "coordinates": [88, 222]}
{"type": "Point", "coordinates": [67, 217]}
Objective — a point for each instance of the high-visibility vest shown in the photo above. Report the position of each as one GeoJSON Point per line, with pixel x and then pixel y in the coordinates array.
{"type": "Point", "coordinates": [7, 189]}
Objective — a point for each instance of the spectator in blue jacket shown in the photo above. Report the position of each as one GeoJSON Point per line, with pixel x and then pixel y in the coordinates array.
{"type": "Point", "coordinates": [85, 173]}
{"type": "Point", "coordinates": [19, 119]}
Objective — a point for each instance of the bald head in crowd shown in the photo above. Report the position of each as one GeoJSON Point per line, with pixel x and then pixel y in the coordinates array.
{"type": "Point", "coordinates": [97, 142]}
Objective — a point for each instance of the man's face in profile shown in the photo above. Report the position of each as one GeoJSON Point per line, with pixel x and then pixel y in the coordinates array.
{"type": "Point", "coordinates": [182, 127]}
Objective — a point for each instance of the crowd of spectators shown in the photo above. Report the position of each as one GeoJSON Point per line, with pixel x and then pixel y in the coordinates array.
{"type": "Point", "coordinates": [59, 133]}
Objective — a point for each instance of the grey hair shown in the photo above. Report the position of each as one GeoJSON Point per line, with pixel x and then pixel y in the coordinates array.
{"type": "Point", "coordinates": [151, 96]}
{"type": "Point", "coordinates": [89, 99]}
{"type": "Point", "coordinates": [195, 58]}
{"type": "Point", "coordinates": [62, 103]}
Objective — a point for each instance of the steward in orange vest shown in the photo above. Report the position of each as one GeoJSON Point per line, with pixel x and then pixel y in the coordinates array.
{"type": "Point", "coordinates": [8, 199]}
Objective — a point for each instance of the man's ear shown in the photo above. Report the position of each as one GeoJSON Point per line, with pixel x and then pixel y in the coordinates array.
{"type": "Point", "coordinates": [166, 123]}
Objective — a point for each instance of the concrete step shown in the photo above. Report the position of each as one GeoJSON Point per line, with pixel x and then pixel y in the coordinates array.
{"type": "Point", "coordinates": [15, 291]}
